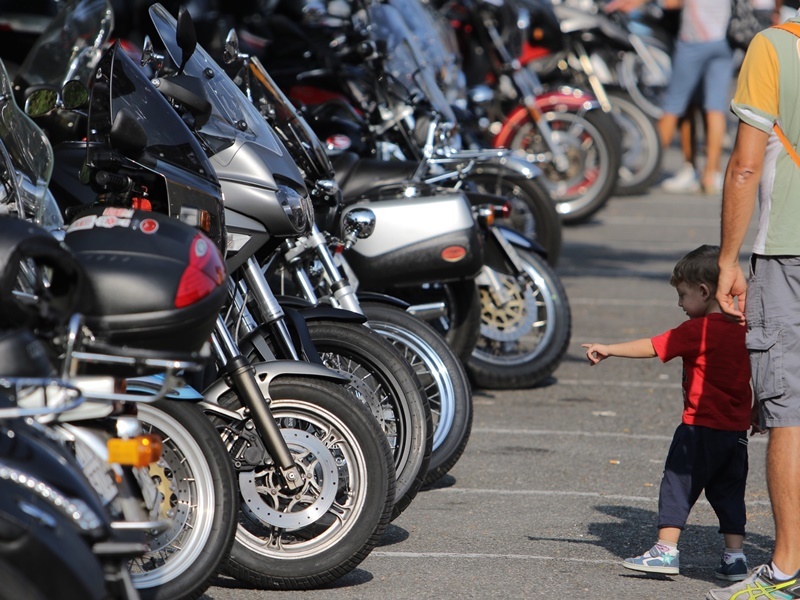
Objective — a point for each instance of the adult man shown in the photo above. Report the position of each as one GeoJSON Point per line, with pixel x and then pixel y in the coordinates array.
{"type": "Point", "coordinates": [762, 165]}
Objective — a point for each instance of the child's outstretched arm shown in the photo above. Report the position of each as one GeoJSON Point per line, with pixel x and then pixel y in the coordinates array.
{"type": "Point", "coordinates": [642, 348]}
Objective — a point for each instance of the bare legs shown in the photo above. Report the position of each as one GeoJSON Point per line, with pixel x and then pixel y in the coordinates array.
{"type": "Point", "coordinates": [783, 482]}
{"type": "Point", "coordinates": [715, 135]}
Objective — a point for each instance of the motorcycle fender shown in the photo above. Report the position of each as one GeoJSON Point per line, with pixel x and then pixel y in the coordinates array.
{"type": "Point", "coordinates": [509, 165]}
{"type": "Point", "coordinates": [564, 98]}
{"type": "Point", "coordinates": [518, 240]}
{"type": "Point", "coordinates": [501, 253]}
{"type": "Point", "coordinates": [266, 373]}
{"type": "Point", "coordinates": [151, 384]}
{"type": "Point", "coordinates": [383, 299]}
{"type": "Point", "coordinates": [325, 312]}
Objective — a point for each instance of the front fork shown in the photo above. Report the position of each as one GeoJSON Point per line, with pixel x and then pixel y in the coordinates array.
{"type": "Point", "coordinates": [243, 380]}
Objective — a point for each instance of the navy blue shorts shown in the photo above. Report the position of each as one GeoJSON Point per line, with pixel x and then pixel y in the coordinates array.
{"type": "Point", "coordinates": [707, 459]}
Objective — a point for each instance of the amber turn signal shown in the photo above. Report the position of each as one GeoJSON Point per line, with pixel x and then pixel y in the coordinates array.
{"type": "Point", "coordinates": [136, 452]}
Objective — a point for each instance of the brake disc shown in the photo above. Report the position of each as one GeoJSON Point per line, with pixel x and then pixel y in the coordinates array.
{"type": "Point", "coordinates": [513, 319]}
{"type": "Point", "coordinates": [270, 503]}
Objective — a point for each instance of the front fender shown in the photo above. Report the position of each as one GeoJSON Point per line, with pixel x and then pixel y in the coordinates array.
{"type": "Point", "coordinates": [509, 165]}
{"type": "Point", "coordinates": [382, 299]}
{"type": "Point", "coordinates": [516, 239]}
{"type": "Point", "coordinates": [267, 372]}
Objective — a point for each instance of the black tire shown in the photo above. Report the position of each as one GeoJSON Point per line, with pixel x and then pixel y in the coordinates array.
{"type": "Point", "coordinates": [384, 380]}
{"type": "Point", "coordinates": [331, 433]}
{"type": "Point", "coordinates": [193, 473]}
{"type": "Point", "coordinates": [533, 212]}
{"type": "Point", "coordinates": [523, 341]}
{"type": "Point", "coordinates": [442, 375]}
{"type": "Point", "coordinates": [641, 147]}
{"type": "Point", "coordinates": [592, 142]}
{"type": "Point", "coordinates": [16, 586]}
{"type": "Point", "coordinates": [460, 319]}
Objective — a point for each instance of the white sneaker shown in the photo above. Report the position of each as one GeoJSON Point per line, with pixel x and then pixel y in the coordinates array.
{"type": "Point", "coordinates": [684, 180]}
{"type": "Point", "coordinates": [715, 189]}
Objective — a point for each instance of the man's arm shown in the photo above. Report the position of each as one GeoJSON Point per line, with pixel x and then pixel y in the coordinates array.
{"type": "Point", "coordinates": [738, 201]}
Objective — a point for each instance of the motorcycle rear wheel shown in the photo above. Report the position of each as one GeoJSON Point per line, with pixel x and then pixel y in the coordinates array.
{"type": "Point", "coordinates": [443, 378]}
{"type": "Point", "coordinates": [591, 140]}
{"type": "Point", "coordinates": [340, 447]}
{"type": "Point", "coordinates": [198, 491]}
{"type": "Point", "coordinates": [523, 341]}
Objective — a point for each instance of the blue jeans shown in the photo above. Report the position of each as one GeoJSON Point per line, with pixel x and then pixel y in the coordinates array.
{"type": "Point", "coordinates": [693, 62]}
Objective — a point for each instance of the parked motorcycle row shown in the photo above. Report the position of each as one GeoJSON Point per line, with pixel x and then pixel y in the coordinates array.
{"type": "Point", "coordinates": [253, 264]}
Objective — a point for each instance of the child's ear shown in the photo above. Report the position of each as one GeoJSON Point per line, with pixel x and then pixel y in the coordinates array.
{"type": "Point", "coordinates": [705, 291]}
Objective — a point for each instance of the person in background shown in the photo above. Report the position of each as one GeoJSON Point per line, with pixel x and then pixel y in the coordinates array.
{"type": "Point", "coordinates": [709, 448]}
{"type": "Point", "coordinates": [702, 55]}
{"type": "Point", "coordinates": [786, 9]}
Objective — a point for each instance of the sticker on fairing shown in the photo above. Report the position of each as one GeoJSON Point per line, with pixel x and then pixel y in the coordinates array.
{"type": "Point", "coordinates": [109, 221]}
{"type": "Point", "coordinates": [105, 221]}
{"type": "Point", "coordinates": [115, 211]}
{"type": "Point", "coordinates": [148, 226]}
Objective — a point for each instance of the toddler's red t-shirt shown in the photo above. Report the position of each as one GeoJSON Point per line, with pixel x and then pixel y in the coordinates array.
{"type": "Point", "coordinates": [716, 371]}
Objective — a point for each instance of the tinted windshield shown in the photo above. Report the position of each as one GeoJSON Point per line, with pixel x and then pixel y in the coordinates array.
{"type": "Point", "coordinates": [70, 46]}
{"type": "Point", "coordinates": [297, 136]}
{"type": "Point", "coordinates": [438, 43]}
{"type": "Point", "coordinates": [233, 115]}
{"type": "Point", "coordinates": [405, 60]}
{"type": "Point", "coordinates": [121, 85]}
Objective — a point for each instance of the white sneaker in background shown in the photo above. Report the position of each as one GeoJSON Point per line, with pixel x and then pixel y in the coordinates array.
{"type": "Point", "coordinates": [684, 180]}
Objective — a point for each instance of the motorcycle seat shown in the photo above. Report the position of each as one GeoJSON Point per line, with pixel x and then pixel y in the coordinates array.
{"type": "Point", "coordinates": [358, 177]}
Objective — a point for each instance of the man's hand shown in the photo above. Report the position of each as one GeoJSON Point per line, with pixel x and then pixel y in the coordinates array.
{"type": "Point", "coordinates": [732, 291]}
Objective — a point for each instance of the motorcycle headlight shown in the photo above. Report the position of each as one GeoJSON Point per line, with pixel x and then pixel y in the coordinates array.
{"type": "Point", "coordinates": [298, 208]}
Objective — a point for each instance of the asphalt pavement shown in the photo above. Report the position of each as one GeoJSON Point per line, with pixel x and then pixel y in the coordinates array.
{"type": "Point", "coordinates": [558, 484]}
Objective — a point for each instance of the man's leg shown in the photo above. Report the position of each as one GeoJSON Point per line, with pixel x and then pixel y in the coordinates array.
{"type": "Point", "coordinates": [783, 483]}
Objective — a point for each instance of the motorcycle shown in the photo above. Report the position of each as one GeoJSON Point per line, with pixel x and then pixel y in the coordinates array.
{"type": "Point", "coordinates": [441, 372]}
{"type": "Point", "coordinates": [377, 371]}
{"type": "Point", "coordinates": [154, 339]}
{"type": "Point", "coordinates": [345, 98]}
{"type": "Point", "coordinates": [601, 52]}
{"type": "Point", "coordinates": [509, 353]}
{"type": "Point", "coordinates": [304, 399]}
{"type": "Point", "coordinates": [563, 129]}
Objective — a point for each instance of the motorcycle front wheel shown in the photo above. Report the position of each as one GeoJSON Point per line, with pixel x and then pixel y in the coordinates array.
{"type": "Point", "coordinates": [382, 378]}
{"type": "Point", "coordinates": [297, 540]}
{"type": "Point", "coordinates": [443, 378]}
{"type": "Point", "coordinates": [641, 146]}
{"type": "Point", "coordinates": [591, 141]}
{"type": "Point", "coordinates": [197, 492]}
{"type": "Point", "coordinates": [523, 338]}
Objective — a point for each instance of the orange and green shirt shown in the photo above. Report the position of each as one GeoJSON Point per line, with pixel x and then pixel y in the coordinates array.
{"type": "Point", "coordinates": [767, 93]}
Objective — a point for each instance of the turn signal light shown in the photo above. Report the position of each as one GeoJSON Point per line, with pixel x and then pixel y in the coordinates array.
{"type": "Point", "coordinates": [135, 452]}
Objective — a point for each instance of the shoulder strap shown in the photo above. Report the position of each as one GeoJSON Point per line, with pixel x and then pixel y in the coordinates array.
{"type": "Point", "coordinates": [794, 29]}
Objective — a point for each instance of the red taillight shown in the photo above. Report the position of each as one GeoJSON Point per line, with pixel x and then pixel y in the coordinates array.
{"type": "Point", "coordinates": [204, 273]}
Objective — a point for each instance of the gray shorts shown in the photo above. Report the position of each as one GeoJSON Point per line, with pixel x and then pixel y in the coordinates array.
{"type": "Point", "coordinates": [773, 337]}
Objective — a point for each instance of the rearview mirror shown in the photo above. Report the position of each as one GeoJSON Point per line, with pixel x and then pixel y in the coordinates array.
{"type": "Point", "coordinates": [74, 95]}
{"type": "Point", "coordinates": [41, 102]}
{"type": "Point", "coordinates": [185, 36]}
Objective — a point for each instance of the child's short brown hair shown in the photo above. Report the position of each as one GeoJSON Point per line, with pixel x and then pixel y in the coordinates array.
{"type": "Point", "coordinates": [698, 266]}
